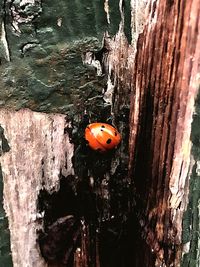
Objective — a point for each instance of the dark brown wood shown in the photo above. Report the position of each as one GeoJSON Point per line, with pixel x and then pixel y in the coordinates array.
{"type": "Point", "coordinates": [166, 78]}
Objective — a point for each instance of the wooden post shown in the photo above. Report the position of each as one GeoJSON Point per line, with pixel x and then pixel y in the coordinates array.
{"type": "Point", "coordinates": [39, 152]}
{"type": "Point", "coordinates": [66, 204]}
{"type": "Point", "coordinates": [166, 80]}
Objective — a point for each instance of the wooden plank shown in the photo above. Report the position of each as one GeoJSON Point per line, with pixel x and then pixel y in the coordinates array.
{"type": "Point", "coordinates": [166, 79]}
{"type": "Point", "coordinates": [39, 152]}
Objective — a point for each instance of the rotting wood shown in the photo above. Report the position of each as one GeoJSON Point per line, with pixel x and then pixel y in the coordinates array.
{"type": "Point", "coordinates": [25, 121]}
{"type": "Point", "coordinates": [31, 145]}
{"type": "Point", "coordinates": [119, 61]}
{"type": "Point", "coordinates": [166, 79]}
{"type": "Point", "coordinates": [39, 152]}
{"type": "Point", "coordinates": [138, 19]}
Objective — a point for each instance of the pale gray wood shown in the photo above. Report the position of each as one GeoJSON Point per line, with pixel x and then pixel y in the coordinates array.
{"type": "Point", "coordinates": [39, 152]}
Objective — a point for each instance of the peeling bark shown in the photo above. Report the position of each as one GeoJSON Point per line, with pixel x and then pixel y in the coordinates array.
{"type": "Point", "coordinates": [39, 152]}
{"type": "Point", "coordinates": [85, 212]}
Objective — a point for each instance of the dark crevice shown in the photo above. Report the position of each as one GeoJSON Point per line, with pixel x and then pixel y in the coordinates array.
{"type": "Point", "coordinates": [4, 142]}
{"type": "Point", "coordinates": [78, 200]}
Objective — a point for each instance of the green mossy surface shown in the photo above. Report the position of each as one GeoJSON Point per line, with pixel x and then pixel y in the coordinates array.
{"type": "Point", "coordinates": [46, 72]}
{"type": "Point", "coordinates": [191, 222]}
{"type": "Point", "coordinates": [46, 43]}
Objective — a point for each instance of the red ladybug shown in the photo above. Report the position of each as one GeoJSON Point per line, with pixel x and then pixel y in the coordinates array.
{"type": "Point", "coordinates": [102, 136]}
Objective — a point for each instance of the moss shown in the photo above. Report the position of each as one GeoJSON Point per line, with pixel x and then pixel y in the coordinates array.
{"type": "Point", "coordinates": [46, 72]}
{"type": "Point", "coordinates": [191, 222]}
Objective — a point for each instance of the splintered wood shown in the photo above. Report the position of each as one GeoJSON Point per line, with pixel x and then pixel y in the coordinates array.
{"type": "Point", "coordinates": [166, 79]}
{"type": "Point", "coordinates": [39, 152]}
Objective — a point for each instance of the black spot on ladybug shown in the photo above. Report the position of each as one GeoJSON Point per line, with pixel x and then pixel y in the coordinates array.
{"type": "Point", "coordinates": [115, 133]}
{"type": "Point", "coordinates": [102, 126]}
{"type": "Point", "coordinates": [101, 130]}
{"type": "Point", "coordinates": [109, 141]}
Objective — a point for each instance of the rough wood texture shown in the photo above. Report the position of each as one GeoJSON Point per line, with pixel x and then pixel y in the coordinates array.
{"type": "Point", "coordinates": [39, 153]}
{"type": "Point", "coordinates": [138, 17]}
{"type": "Point", "coordinates": [47, 40]}
{"type": "Point", "coordinates": [166, 79]}
{"type": "Point", "coordinates": [96, 220]}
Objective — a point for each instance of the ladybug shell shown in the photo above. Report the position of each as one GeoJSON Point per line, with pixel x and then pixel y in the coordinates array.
{"type": "Point", "coordinates": [102, 136]}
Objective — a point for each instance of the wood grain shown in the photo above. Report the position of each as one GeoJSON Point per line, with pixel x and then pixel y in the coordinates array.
{"type": "Point", "coordinates": [39, 152]}
{"type": "Point", "coordinates": [166, 79]}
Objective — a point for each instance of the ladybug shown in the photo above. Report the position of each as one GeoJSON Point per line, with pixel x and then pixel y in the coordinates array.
{"type": "Point", "coordinates": [102, 136]}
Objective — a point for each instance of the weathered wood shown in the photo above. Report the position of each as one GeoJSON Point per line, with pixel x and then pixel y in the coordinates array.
{"type": "Point", "coordinates": [42, 46]}
{"type": "Point", "coordinates": [166, 79]}
{"type": "Point", "coordinates": [96, 225]}
{"type": "Point", "coordinates": [39, 152]}
{"type": "Point", "coordinates": [52, 78]}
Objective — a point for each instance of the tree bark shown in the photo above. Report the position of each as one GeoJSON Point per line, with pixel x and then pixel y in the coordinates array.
{"type": "Point", "coordinates": [166, 79]}
{"type": "Point", "coordinates": [66, 204]}
{"type": "Point", "coordinates": [81, 213]}
{"type": "Point", "coordinates": [39, 153]}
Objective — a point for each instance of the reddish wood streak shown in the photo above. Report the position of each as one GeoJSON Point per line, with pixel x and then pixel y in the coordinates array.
{"type": "Point", "coordinates": [164, 89]}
